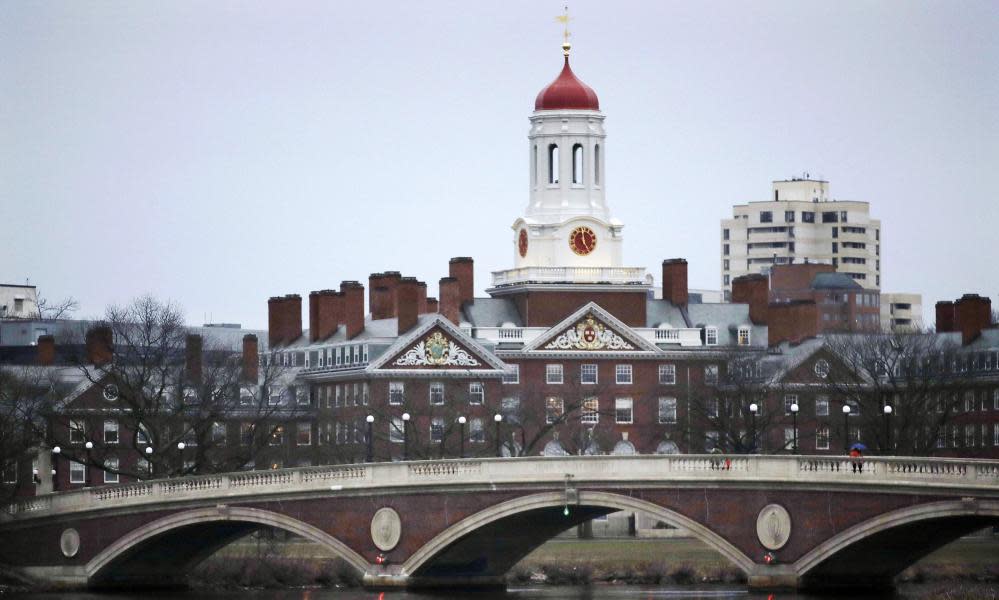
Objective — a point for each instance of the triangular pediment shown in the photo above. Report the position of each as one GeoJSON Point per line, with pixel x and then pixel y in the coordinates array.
{"type": "Point", "coordinates": [436, 345]}
{"type": "Point", "coordinates": [590, 329]}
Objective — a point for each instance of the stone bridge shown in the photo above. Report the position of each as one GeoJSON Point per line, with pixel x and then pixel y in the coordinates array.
{"type": "Point", "coordinates": [785, 521]}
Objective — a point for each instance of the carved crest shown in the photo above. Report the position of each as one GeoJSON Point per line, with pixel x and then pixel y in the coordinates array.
{"type": "Point", "coordinates": [434, 351]}
{"type": "Point", "coordinates": [589, 334]}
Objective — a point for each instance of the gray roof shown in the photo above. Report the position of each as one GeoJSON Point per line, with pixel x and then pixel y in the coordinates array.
{"type": "Point", "coordinates": [835, 281]}
{"type": "Point", "coordinates": [491, 312]}
{"type": "Point", "coordinates": [658, 312]}
{"type": "Point", "coordinates": [727, 318]}
{"type": "Point", "coordinates": [374, 329]}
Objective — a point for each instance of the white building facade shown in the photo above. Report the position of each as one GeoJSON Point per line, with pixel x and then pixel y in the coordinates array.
{"type": "Point", "coordinates": [901, 312]}
{"type": "Point", "coordinates": [801, 223]}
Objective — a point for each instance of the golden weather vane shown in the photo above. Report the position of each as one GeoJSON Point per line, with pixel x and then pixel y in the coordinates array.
{"type": "Point", "coordinates": [564, 20]}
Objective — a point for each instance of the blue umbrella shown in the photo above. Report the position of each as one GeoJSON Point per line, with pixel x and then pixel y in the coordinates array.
{"type": "Point", "coordinates": [858, 446]}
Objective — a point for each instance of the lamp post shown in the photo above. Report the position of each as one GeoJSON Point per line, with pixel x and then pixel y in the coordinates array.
{"type": "Point", "coordinates": [887, 413]}
{"type": "Point", "coordinates": [498, 418]}
{"type": "Point", "coordinates": [56, 450]}
{"type": "Point", "coordinates": [846, 427]}
{"type": "Point", "coordinates": [89, 446]}
{"type": "Point", "coordinates": [461, 421]}
{"type": "Point", "coordinates": [371, 438]}
{"type": "Point", "coordinates": [794, 420]}
{"type": "Point", "coordinates": [180, 450]}
{"type": "Point", "coordinates": [753, 409]}
{"type": "Point", "coordinates": [405, 436]}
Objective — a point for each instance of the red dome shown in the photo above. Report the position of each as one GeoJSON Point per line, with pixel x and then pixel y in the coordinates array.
{"type": "Point", "coordinates": [567, 91]}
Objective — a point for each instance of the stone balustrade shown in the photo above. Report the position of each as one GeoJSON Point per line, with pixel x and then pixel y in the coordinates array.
{"type": "Point", "coordinates": [595, 471]}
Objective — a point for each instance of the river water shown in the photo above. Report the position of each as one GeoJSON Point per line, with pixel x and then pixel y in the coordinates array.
{"type": "Point", "coordinates": [596, 592]}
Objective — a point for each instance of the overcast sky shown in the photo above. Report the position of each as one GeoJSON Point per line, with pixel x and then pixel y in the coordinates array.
{"type": "Point", "coordinates": [218, 153]}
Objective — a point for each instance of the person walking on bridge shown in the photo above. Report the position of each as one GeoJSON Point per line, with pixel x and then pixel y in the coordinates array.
{"type": "Point", "coordinates": [856, 453]}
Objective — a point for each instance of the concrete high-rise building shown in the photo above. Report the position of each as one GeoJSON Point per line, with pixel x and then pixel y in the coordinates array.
{"type": "Point", "coordinates": [901, 312]}
{"type": "Point", "coordinates": [801, 224]}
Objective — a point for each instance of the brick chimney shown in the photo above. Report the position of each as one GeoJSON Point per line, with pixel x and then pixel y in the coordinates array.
{"type": "Point", "coordinates": [251, 358]}
{"type": "Point", "coordinates": [284, 319]}
{"type": "Point", "coordinates": [675, 281]}
{"type": "Point", "coordinates": [754, 291]}
{"type": "Point", "coordinates": [450, 299]}
{"type": "Point", "coordinates": [462, 269]}
{"type": "Point", "coordinates": [945, 317]}
{"type": "Point", "coordinates": [391, 282]}
{"type": "Point", "coordinates": [325, 310]}
{"type": "Point", "coordinates": [46, 351]}
{"type": "Point", "coordinates": [408, 297]}
{"type": "Point", "coordinates": [100, 345]}
{"type": "Point", "coordinates": [353, 307]}
{"type": "Point", "coordinates": [380, 301]}
{"type": "Point", "coordinates": [432, 306]}
{"type": "Point", "coordinates": [421, 297]}
{"type": "Point", "coordinates": [972, 314]}
{"type": "Point", "coordinates": [375, 281]}
{"type": "Point", "coordinates": [193, 356]}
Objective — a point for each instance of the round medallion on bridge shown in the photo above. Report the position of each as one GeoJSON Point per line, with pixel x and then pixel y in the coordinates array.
{"type": "Point", "coordinates": [386, 529]}
{"type": "Point", "coordinates": [69, 543]}
{"type": "Point", "coordinates": [773, 526]}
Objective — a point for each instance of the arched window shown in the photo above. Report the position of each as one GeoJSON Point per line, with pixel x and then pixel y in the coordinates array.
{"type": "Point", "coordinates": [577, 163]}
{"type": "Point", "coordinates": [534, 167]}
{"type": "Point", "coordinates": [596, 164]}
{"type": "Point", "coordinates": [553, 163]}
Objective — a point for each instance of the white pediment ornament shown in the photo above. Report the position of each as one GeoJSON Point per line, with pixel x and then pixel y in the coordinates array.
{"type": "Point", "coordinates": [435, 351]}
{"type": "Point", "coordinates": [589, 334]}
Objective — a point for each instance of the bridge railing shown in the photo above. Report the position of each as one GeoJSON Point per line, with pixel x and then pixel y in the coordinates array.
{"type": "Point", "coordinates": [943, 473]}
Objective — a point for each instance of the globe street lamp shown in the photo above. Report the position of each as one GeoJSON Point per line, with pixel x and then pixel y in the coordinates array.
{"type": "Point", "coordinates": [405, 436]}
{"type": "Point", "coordinates": [461, 421]}
{"type": "Point", "coordinates": [846, 427]}
{"type": "Point", "coordinates": [89, 446]}
{"type": "Point", "coordinates": [794, 418]}
{"type": "Point", "coordinates": [498, 418]}
{"type": "Point", "coordinates": [887, 413]}
{"type": "Point", "coordinates": [56, 450]}
{"type": "Point", "coordinates": [753, 409]}
{"type": "Point", "coordinates": [371, 438]}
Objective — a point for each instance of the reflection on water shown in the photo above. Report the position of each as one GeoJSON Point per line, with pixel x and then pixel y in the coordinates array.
{"type": "Point", "coordinates": [598, 592]}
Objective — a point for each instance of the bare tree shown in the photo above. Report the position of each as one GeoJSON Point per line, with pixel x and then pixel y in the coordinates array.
{"type": "Point", "coordinates": [175, 407]}
{"type": "Point", "coordinates": [55, 310]}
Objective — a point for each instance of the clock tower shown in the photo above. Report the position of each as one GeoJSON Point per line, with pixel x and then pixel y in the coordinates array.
{"type": "Point", "coordinates": [567, 233]}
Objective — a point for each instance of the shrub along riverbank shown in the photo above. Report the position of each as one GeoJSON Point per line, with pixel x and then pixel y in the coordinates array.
{"type": "Point", "coordinates": [268, 563]}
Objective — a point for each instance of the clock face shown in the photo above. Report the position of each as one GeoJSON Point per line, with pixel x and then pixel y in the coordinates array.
{"type": "Point", "coordinates": [582, 240]}
{"type": "Point", "coordinates": [522, 243]}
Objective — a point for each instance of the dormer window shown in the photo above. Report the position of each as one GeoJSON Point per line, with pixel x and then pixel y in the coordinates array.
{"type": "Point", "coordinates": [744, 335]}
{"type": "Point", "coordinates": [710, 336]}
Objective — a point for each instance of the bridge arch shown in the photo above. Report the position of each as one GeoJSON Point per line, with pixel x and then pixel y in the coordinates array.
{"type": "Point", "coordinates": [228, 524]}
{"type": "Point", "coordinates": [887, 544]}
{"type": "Point", "coordinates": [421, 565]}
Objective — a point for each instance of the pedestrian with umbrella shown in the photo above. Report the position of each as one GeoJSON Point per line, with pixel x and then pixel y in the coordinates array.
{"type": "Point", "coordinates": [856, 453]}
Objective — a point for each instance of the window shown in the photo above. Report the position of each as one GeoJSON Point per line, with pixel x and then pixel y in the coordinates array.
{"type": "Point", "coordinates": [835, 232]}
{"type": "Point", "coordinates": [995, 434]}
{"type": "Point", "coordinates": [622, 374]}
{"type": "Point", "coordinates": [246, 434]}
{"type": "Point", "coordinates": [667, 374]}
{"type": "Point", "coordinates": [995, 399]}
{"type": "Point", "coordinates": [77, 472]}
{"type": "Point", "coordinates": [726, 279]}
{"type": "Point", "coordinates": [277, 436]}
{"type": "Point", "coordinates": [397, 393]}
{"type": "Point", "coordinates": [437, 429]}
{"type": "Point", "coordinates": [476, 431]}
{"type": "Point", "coordinates": [111, 470]}
{"type": "Point", "coordinates": [822, 406]}
{"type": "Point", "coordinates": [807, 217]}
{"type": "Point", "coordinates": [591, 411]}
{"type": "Point", "coordinates": [302, 395]}
{"type": "Point", "coordinates": [9, 471]}
{"type": "Point", "coordinates": [303, 434]}
{"type": "Point", "coordinates": [711, 374]}
{"type": "Point", "coordinates": [77, 432]}
{"type": "Point", "coordinates": [513, 375]}
{"type": "Point", "coordinates": [510, 408]}
{"type": "Point", "coordinates": [710, 336]}
{"type": "Point", "coordinates": [437, 393]}
{"type": "Point", "coordinates": [110, 432]}
{"type": "Point", "coordinates": [822, 438]}
{"type": "Point", "coordinates": [725, 264]}
{"type": "Point", "coordinates": [553, 164]}
{"type": "Point", "coordinates": [789, 216]}
{"type": "Point", "coordinates": [274, 399]}
{"type": "Point", "coordinates": [744, 336]}
{"type": "Point", "coordinates": [218, 433]}
{"type": "Point", "coordinates": [829, 217]}
{"type": "Point", "coordinates": [969, 436]}
{"type": "Point", "coordinates": [835, 247]}
{"type": "Point", "coordinates": [789, 399]}
{"type": "Point", "coordinates": [725, 249]}
{"type": "Point", "coordinates": [577, 163]}
{"type": "Point", "coordinates": [397, 430]}
{"type": "Point", "coordinates": [553, 409]}
{"type": "Point", "coordinates": [534, 166]}
{"type": "Point", "coordinates": [725, 234]}
{"type": "Point", "coordinates": [766, 216]}
{"type": "Point", "coordinates": [667, 410]}
{"type": "Point", "coordinates": [144, 468]}
{"type": "Point", "coordinates": [588, 374]}
{"type": "Point", "coordinates": [842, 216]}
{"type": "Point", "coordinates": [596, 164]}
{"type": "Point", "coordinates": [476, 393]}
{"type": "Point", "coordinates": [710, 440]}
{"type": "Point", "coordinates": [789, 437]}
{"type": "Point", "coordinates": [623, 410]}
{"type": "Point", "coordinates": [711, 407]}
{"type": "Point", "coordinates": [553, 374]}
